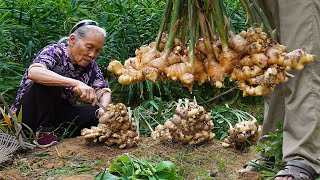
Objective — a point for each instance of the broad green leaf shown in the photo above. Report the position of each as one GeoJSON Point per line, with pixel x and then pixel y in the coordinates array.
{"type": "Point", "coordinates": [105, 175]}
{"type": "Point", "coordinates": [122, 165]}
{"type": "Point", "coordinates": [166, 170]}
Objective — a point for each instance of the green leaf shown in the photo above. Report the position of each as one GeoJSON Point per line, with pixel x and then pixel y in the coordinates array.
{"type": "Point", "coordinates": [122, 165]}
{"type": "Point", "coordinates": [20, 115]}
{"type": "Point", "coordinates": [105, 175]}
{"type": "Point", "coordinates": [166, 170]}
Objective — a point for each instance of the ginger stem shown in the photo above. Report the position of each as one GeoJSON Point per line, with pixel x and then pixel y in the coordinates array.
{"type": "Point", "coordinates": [221, 24]}
{"type": "Point", "coordinates": [164, 22]}
{"type": "Point", "coordinates": [174, 26]}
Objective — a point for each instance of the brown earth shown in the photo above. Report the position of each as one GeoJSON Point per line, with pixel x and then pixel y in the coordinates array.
{"type": "Point", "coordinates": [75, 159]}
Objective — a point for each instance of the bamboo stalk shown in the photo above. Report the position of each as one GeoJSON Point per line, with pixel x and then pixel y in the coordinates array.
{"type": "Point", "coordinates": [164, 22]}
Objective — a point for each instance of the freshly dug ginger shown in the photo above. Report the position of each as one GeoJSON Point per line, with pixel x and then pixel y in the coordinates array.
{"type": "Point", "coordinates": [116, 127]}
{"type": "Point", "coordinates": [189, 125]}
{"type": "Point", "coordinates": [243, 135]}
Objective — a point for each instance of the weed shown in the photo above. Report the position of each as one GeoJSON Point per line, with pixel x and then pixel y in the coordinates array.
{"type": "Point", "coordinates": [272, 147]}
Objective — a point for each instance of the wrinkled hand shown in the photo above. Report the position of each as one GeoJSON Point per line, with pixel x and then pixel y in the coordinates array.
{"type": "Point", "coordinates": [86, 93]}
{"type": "Point", "coordinates": [101, 112]}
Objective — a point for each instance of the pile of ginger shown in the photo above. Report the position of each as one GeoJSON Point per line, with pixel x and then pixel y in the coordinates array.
{"type": "Point", "coordinates": [116, 127]}
{"type": "Point", "coordinates": [189, 125]}
{"type": "Point", "coordinates": [254, 61]}
{"type": "Point", "coordinates": [243, 135]}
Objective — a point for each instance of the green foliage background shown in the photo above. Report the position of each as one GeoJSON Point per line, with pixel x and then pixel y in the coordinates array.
{"type": "Point", "coordinates": [29, 25]}
{"type": "Point", "coordinates": [26, 26]}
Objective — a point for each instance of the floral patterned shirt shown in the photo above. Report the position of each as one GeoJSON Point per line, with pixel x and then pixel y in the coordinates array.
{"type": "Point", "coordinates": [57, 55]}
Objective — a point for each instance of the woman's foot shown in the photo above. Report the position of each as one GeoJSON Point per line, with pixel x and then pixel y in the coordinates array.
{"type": "Point", "coordinates": [45, 139]}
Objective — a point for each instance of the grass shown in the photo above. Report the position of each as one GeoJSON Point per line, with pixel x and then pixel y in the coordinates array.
{"type": "Point", "coordinates": [67, 166]}
{"type": "Point", "coordinates": [26, 26]}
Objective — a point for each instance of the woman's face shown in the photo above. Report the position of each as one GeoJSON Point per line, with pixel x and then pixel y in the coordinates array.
{"type": "Point", "coordinates": [84, 51]}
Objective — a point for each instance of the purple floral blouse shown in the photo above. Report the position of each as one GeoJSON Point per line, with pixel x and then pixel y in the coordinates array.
{"type": "Point", "coordinates": [57, 55]}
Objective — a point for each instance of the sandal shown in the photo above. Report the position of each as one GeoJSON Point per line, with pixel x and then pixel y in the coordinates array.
{"type": "Point", "coordinates": [298, 170]}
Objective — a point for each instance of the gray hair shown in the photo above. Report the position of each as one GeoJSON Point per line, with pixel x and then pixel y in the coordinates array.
{"type": "Point", "coordinates": [82, 27]}
{"type": "Point", "coordinates": [64, 40]}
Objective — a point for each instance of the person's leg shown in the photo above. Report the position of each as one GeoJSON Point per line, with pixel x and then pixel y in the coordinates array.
{"type": "Point", "coordinates": [37, 106]}
{"type": "Point", "coordinates": [76, 116]}
{"type": "Point", "coordinates": [300, 24]}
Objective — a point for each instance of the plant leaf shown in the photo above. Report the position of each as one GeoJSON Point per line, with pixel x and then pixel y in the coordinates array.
{"type": "Point", "coordinates": [20, 115]}
{"type": "Point", "coordinates": [166, 170]}
{"type": "Point", "coordinates": [6, 117]}
{"type": "Point", "coordinates": [105, 175]}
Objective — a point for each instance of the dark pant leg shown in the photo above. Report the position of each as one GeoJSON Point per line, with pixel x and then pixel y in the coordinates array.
{"type": "Point", "coordinates": [38, 105]}
{"type": "Point", "coordinates": [76, 117]}
{"type": "Point", "coordinates": [43, 110]}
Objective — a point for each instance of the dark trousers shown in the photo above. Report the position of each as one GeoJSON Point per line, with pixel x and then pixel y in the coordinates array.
{"type": "Point", "coordinates": [43, 110]}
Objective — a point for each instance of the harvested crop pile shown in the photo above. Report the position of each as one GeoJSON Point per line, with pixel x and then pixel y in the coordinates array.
{"type": "Point", "coordinates": [189, 125]}
{"type": "Point", "coordinates": [201, 46]}
{"type": "Point", "coordinates": [243, 135]}
{"type": "Point", "coordinates": [116, 127]}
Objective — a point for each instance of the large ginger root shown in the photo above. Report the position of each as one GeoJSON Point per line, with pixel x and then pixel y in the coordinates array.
{"type": "Point", "coordinates": [189, 125]}
{"type": "Point", "coordinates": [150, 64]}
{"type": "Point", "coordinates": [250, 58]}
{"type": "Point", "coordinates": [116, 126]}
{"type": "Point", "coordinates": [243, 135]}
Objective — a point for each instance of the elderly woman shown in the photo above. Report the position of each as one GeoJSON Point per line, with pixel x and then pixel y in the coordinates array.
{"type": "Point", "coordinates": [46, 96]}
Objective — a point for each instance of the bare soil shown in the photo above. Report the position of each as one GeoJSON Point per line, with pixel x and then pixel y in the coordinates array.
{"type": "Point", "coordinates": [76, 159]}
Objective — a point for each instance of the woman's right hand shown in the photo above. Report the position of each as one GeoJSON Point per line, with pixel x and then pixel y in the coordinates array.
{"type": "Point", "coordinates": [85, 92]}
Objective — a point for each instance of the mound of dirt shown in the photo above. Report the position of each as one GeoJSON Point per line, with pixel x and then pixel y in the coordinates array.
{"type": "Point", "coordinates": [76, 159]}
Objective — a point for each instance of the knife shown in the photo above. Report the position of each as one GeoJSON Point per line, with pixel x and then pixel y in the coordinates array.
{"type": "Point", "coordinates": [77, 91]}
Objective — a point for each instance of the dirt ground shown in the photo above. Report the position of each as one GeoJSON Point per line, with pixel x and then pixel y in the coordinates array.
{"type": "Point", "coordinates": [76, 159]}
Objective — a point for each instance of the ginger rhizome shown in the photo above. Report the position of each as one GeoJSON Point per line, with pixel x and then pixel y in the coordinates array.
{"type": "Point", "coordinates": [242, 135]}
{"type": "Point", "coordinates": [256, 68]}
{"type": "Point", "coordinates": [116, 127]}
{"type": "Point", "coordinates": [265, 64]}
{"type": "Point", "coordinates": [202, 47]}
{"type": "Point", "coordinates": [189, 125]}
{"type": "Point", "coordinates": [153, 65]}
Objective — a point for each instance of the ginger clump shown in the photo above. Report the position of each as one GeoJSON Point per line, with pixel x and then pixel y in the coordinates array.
{"type": "Point", "coordinates": [243, 135]}
{"type": "Point", "coordinates": [189, 125]}
{"type": "Point", "coordinates": [116, 127]}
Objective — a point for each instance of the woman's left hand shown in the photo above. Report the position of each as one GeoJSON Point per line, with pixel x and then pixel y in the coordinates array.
{"type": "Point", "coordinates": [101, 112]}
